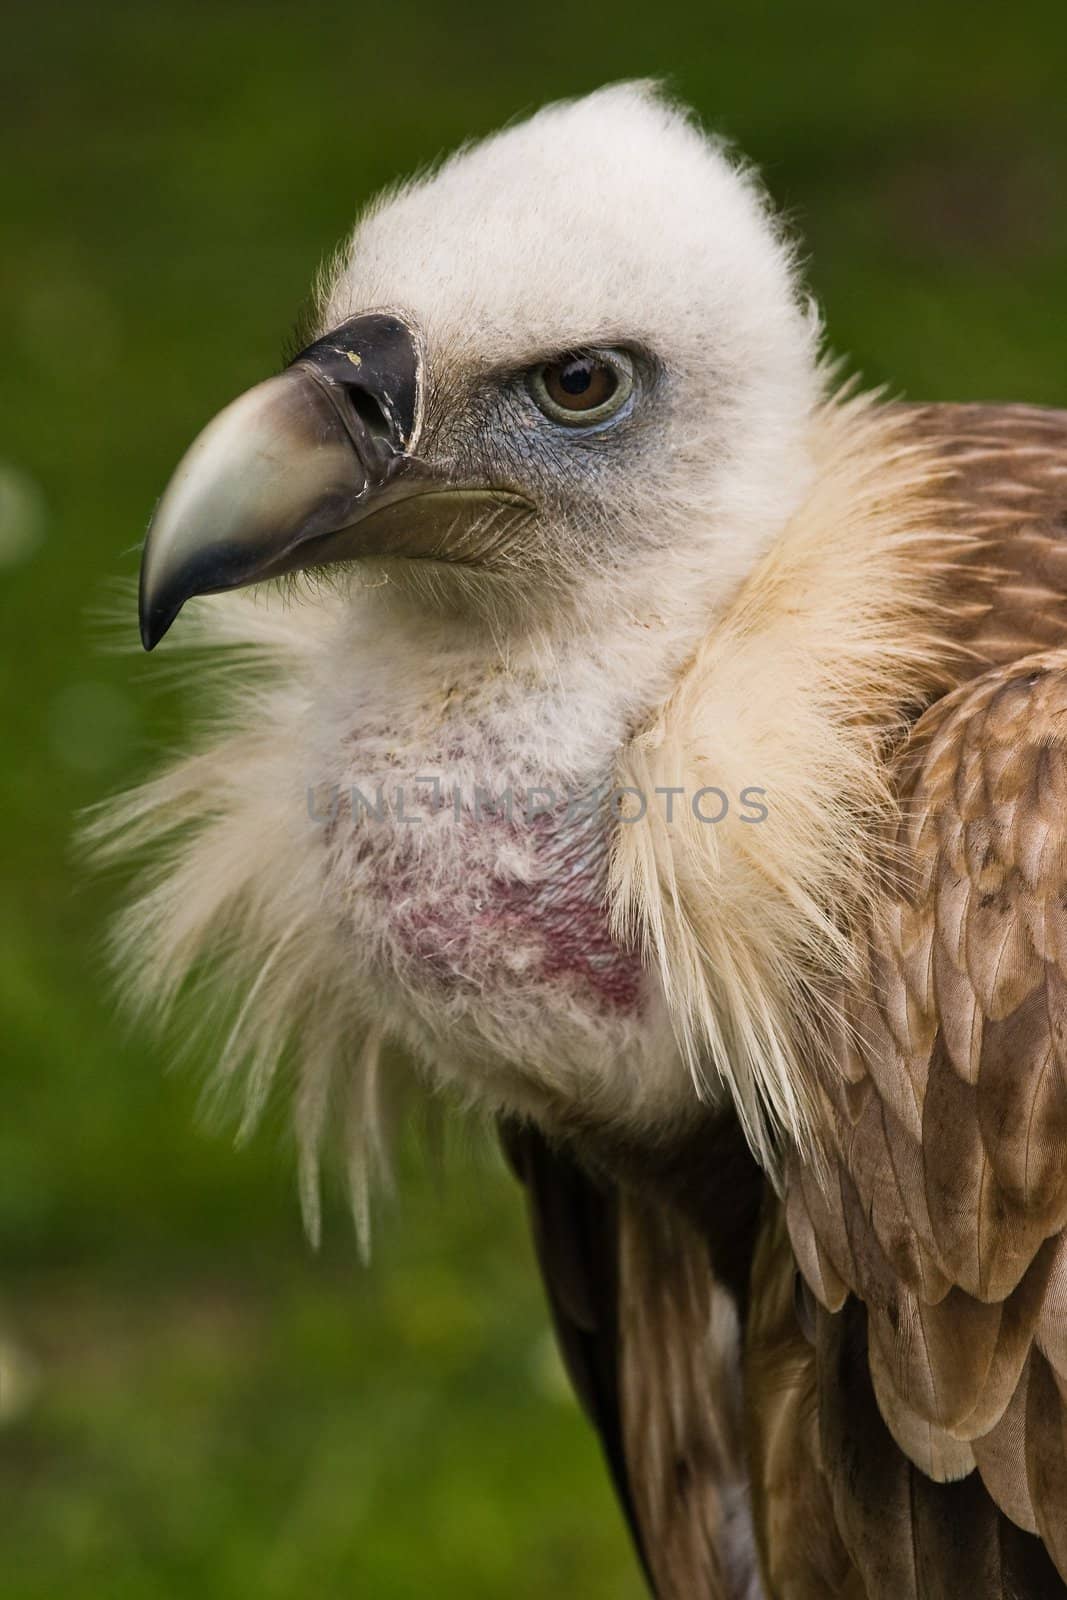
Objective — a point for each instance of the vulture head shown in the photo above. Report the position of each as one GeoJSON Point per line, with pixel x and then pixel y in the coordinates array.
{"type": "Point", "coordinates": [566, 374]}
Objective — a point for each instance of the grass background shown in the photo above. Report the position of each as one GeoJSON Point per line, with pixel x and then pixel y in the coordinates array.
{"type": "Point", "coordinates": [190, 1402]}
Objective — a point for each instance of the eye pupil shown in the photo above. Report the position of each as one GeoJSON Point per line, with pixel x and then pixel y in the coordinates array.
{"type": "Point", "coordinates": [576, 377]}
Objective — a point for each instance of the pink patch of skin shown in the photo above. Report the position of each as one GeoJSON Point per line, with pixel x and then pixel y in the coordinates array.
{"type": "Point", "coordinates": [543, 924]}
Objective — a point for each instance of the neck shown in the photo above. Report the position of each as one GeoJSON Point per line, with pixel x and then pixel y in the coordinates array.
{"type": "Point", "coordinates": [578, 677]}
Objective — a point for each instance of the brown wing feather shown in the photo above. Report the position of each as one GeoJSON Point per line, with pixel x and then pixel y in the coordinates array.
{"type": "Point", "coordinates": [802, 1553]}
{"type": "Point", "coordinates": [944, 1208]}
{"type": "Point", "coordinates": [681, 1407]}
{"type": "Point", "coordinates": [910, 1537]}
{"type": "Point", "coordinates": [649, 1335]}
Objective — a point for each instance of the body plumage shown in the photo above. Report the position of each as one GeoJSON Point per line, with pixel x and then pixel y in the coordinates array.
{"type": "Point", "coordinates": [784, 1084]}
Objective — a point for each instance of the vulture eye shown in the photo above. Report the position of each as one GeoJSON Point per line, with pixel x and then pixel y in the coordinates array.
{"type": "Point", "coordinates": [584, 387]}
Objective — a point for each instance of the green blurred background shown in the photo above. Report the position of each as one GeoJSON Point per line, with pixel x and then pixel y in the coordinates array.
{"type": "Point", "coordinates": [190, 1401]}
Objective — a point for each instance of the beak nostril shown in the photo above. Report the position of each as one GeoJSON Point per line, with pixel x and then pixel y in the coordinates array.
{"type": "Point", "coordinates": [371, 413]}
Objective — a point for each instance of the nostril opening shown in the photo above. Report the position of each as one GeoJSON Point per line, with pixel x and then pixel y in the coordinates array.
{"type": "Point", "coordinates": [371, 413]}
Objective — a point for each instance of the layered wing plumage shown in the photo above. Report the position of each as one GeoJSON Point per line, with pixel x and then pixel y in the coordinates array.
{"type": "Point", "coordinates": [933, 1236]}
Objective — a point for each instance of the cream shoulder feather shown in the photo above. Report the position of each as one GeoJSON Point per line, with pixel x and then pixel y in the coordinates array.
{"type": "Point", "coordinates": [800, 691]}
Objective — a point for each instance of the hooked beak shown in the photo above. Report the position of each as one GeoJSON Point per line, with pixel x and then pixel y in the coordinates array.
{"type": "Point", "coordinates": [291, 474]}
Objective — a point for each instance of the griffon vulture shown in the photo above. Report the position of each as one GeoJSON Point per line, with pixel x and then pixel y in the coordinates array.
{"type": "Point", "coordinates": [667, 753]}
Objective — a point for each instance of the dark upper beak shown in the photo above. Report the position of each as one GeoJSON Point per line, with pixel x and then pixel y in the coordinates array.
{"type": "Point", "coordinates": [279, 479]}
